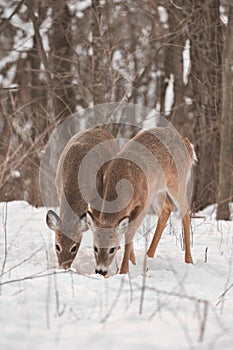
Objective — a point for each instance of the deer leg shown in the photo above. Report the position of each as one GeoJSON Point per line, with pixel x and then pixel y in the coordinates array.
{"type": "Point", "coordinates": [132, 256]}
{"type": "Point", "coordinates": [186, 226]}
{"type": "Point", "coordinates": [126, 258]}
{"type": "Point", "coordinates": [181, 203]}
{"type": "Point", "coordinates": [160, 227]}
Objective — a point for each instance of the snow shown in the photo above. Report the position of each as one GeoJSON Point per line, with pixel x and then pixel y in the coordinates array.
{"type": "Point", "coordinates": [23, 41]}
{"type": "Point", "coordinates": [117, 60]}
{"type": "Point", "coordinates": [188, 101]}
{"type": "Point", "coordinates": [180, 307]}
{"type": "Point", "coordinates": [151, 119]}
{"type": "Point", "coordinates": [186, 61]}
{"type": "Point", "coordinates": [78, 6]}
{"type": "Point", "coordinates": [163, 15]}
{"type": "Point", "coordinates": [223, 14]}
{"type": "Point", "coordinates": [16, 174]}
{"type": "Point", "coordinates": [169, 95]}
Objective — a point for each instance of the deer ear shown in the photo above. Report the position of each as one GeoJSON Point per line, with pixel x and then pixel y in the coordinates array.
{"type": "Point", "coordinates": [123, 225]}
{"type": "Point", "coordinates": [90, 222]}
{"type": "Point", "coordinates": [52, 219]}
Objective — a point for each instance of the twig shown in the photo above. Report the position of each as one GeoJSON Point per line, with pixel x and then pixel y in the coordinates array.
{"type": "Point", "coordinates": [32, 277]}
{"type": "Point", "coordinates": [5, 241]}
{"type": "Point", "coordinates": [48, 303]}
{"type": "Point", "coordinates": [38, 275]}
{"type": "Point", "coordinates": [143, 289]}
{"type": "Point", "coordinates": [108, 314]}
{"type": "Point", "coordinates": [60, 311]}
{"type": "Point", "coordinates": [22, 262]}
{"type": "Point", "coordinates": [131, 290]}
{"type": "Point", "coordinates": [43, 55]}
{"type": "Point", "coordinates": [203, 322]}
{"type": "Point", "coordinates": [18, 7]}
{"type": "Point", "coordinates": [206, 255]}
{"type": "Point", "coordinates": [223, 294]}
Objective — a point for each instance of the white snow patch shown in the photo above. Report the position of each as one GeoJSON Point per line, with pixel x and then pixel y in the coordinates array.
{"type": "Point", "coordinates": [44, 29]}
{"type": "Point", "coordinates": [183, 306]}
{"type": "Point", "coordinates": [163, 15]}
{"type": "Point", "coordinates": [151, 119]}
{"type": "Point", "coordinates": [16, 174]}
{"type": "Point", "coordinates": [169, 95]}
{"type": "Point", "coordinates": [188, 101]}
{"type": "Point", "coordinates": [90, 51]}
{"type": "Point", "coordinates": [78, 6]}
{"type": "Point", "coordinates": [117, 59]}
{"type": "Point", "coordinates": [186, 61]}
{"type": "Point", "coordinates": [223, 14]}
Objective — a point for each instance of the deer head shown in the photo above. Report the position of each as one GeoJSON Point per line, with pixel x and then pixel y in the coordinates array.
{"type": "Point", "coordinates": [106, 242]}
{"type": "Point", "coordinates": [65, 247]}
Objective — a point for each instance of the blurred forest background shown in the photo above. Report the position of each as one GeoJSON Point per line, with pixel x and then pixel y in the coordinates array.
{"type": "Point", "coordinates": [59, 57]}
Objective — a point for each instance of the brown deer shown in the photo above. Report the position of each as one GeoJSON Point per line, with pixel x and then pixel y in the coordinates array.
{"type": "Point", "coordinates": [153, 167]}
{"type": "Point", "coordinates": [70, 224]}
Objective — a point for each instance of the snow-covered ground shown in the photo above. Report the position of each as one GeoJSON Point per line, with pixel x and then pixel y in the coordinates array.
{"type": "Point", "coordinates": [171, 306]}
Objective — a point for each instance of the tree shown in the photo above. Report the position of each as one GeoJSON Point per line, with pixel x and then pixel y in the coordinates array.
{"type": "Point", "coordinates": [63, 56]}
{"type": "Point", "coordinates": [98, 53]}
{"type": "Point", "coordinates": [174, 65]}
{"type": "Point", "coordinates": [226, 125]}
{"type": "Point", "coordinates": [197, 101]}
{"type": "Point", "coordinates": [63, 100]}
{"type": "Point", "coordinates": [205, 30]}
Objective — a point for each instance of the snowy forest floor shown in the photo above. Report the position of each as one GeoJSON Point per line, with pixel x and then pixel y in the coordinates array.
{"type": "Point", "coordinates": [171, 306]}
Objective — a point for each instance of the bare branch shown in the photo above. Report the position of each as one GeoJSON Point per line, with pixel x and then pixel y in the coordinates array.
{"type": "Point", "coordinates": [18, 7]}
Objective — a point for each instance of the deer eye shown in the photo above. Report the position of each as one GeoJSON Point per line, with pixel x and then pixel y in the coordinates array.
{"type": "Point", "coordinates": [96, 249]}
{"type": "Point", "coordinates": [73, 249]}
{"type": "Point", "coordinates": [58, 248]}
{"type": "Point", "coordinates": [112, 250]}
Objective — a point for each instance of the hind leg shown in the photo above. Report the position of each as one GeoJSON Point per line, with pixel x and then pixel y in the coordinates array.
{"type": "Point", "coordinates": [180, 201]}
{"type": "Point", "coordinates": [187, 246]}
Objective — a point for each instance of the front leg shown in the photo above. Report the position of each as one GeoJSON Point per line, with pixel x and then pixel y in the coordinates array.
{"type": "Point", "coordinates": [132, 256]}
{"type": "Point", "coordinates": [129, 251]}
{"type": "Point", "coordinates": [126, 258]}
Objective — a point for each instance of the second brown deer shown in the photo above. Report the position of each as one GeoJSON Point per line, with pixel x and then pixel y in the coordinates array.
{"type": "Point", "coordinates": [153, 167]}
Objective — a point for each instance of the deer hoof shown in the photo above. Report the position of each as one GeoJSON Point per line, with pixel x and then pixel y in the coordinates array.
{"type": "Point", "coordinates": [189, 259]}
{"type": "Point", "coordinates": [150, 254]}
{"type": "Point", "coordinates": [133, 260]}
{"type": "Point", "coordinates": [124, 270]}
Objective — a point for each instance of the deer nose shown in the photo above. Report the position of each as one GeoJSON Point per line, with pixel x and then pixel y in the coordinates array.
{"type": "Point", "coordinates": [65, 266]}
{"type": "Point", "coordinates": [101, 272]}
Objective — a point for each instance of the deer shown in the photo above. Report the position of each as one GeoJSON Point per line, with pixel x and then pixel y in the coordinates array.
{"type": "Point", "coordinates": [70, 224]}
{"type": "Point", "coordinates": [153, 167]}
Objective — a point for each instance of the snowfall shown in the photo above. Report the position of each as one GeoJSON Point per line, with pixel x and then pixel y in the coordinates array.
{"type": "Point", "coordinates": [162, 303]}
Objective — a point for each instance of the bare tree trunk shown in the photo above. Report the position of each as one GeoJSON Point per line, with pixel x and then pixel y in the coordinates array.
{"type": "Point", "coordinates": [200, 23]}
{"type": "Point", "coordinates": [61, 51]}
{"type": "Point", "coordinates": [39, 121]}
{"type": "Point", "coordinates": [98, 71]}
{"type": "Point", "coordinates": [226, 129]}
{"type": "Point", "coordinates": [205, 90]}
{"type": "Point", "coordinates": [174, 64]}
